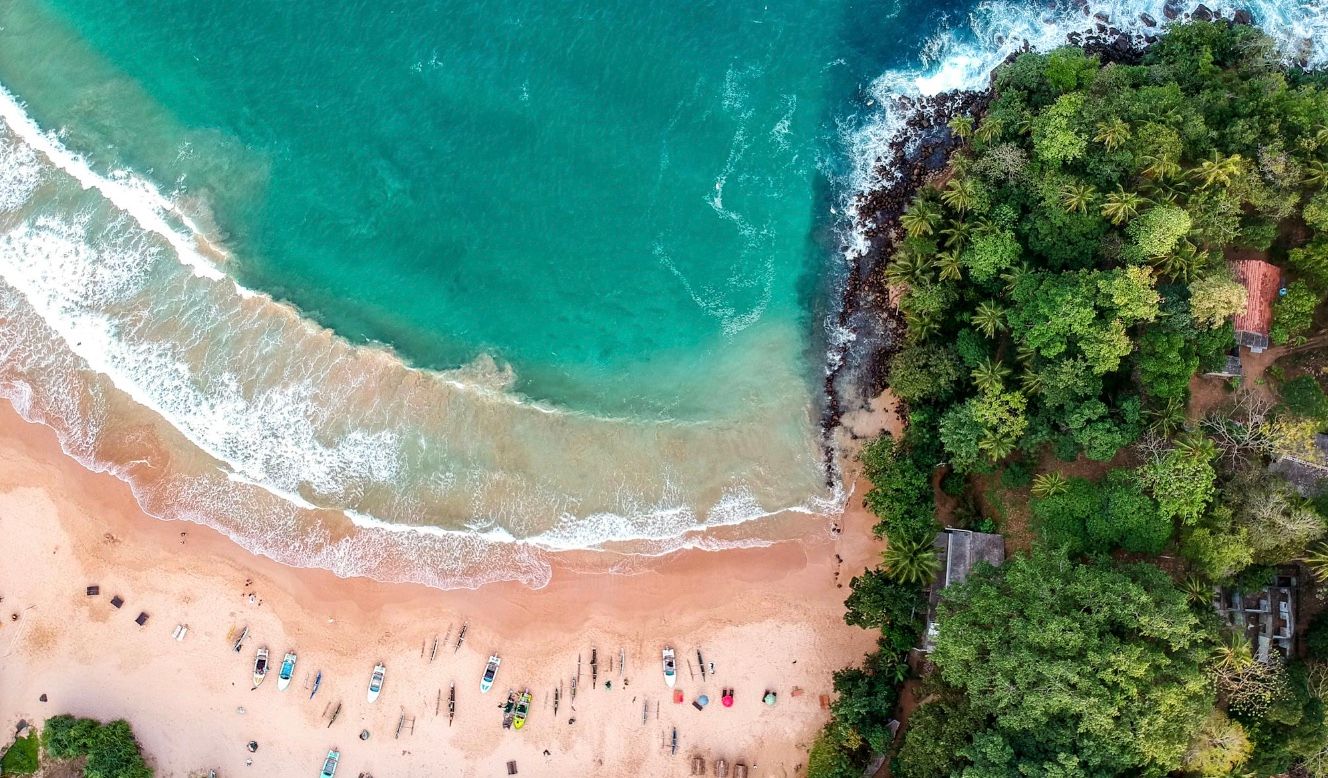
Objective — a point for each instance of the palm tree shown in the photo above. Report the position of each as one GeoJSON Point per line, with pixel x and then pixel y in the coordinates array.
{"type": "Point", "coordinates": [1234, 654]}
{"type": "Point", "coordinates": [1316, 173]}
{"type": "Point", "coordinates": [1049, 484]}
{"type": "Point", "coordinates": [1120, 206]}
{"type": "Point", "coordinates": [1168, 419]}
{"type": "Point", "coordinates": [1181, 263]}
{"type": "Point", "coordinates": [947, 262]}
{"type": "Point", "coordinates": [1014, 275]}
{"type": "Point", "coordinates": [956, 235]}
{"type": "Point", "coordinates": [907, 268]}
{"type": "Point", "coordinates": [998, 447]}
{"type": "Point", "coordinates": [1031, 381]}
{"type": "Point", "coordinates": [920, 219]}
{"type": "Point", "coordinates": [1077, 197]}
{"type": "Point", "coordinates": [990, 130]}
{"type": "Point", "coordinates": [910, 561]}
{"type": "Point", "coordinates": [1160, 167]}
{"type": "Point", "coordinates": [1197, 590]}
{"type": "Point", "coordinates": [1112, 133]}
{"type": "Point", "coordinates": [961, 126]}
{"type": "Point", "coordinates": [1197, 446]}
{"type": "Point", "coordinates": [1025, 353]}
{"type": "Point", "coordinates": [1316, 559]}
{"type": "Point", "coordinates": [990, 375]}
{"type": "Point", "coordinates": [960, 194]}
{"type": "Point", "coordinates": [1218, 169]}
{"type": "Point", "coordinates": [989, 318]}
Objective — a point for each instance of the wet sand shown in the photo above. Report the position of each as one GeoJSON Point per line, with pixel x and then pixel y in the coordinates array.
{"type": "Point", "coordinates": [768, 618]}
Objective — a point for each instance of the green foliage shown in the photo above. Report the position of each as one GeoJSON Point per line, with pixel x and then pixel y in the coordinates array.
{"type": "Point", "coordinates": [1088, 667]}
{"type": "Point", "coordinates": [990, 254]}
{"type": "Point", "coordinates": [111, 750]}
{"type": "Point", "coordinates": [1216, 298]}
{"type": "Point", "coordinates": [938, 732]}
{"type": "Point", "coordinates": [1316, 637]}
{"type": "Point", "coordinates": [911, 561]}
{"type": "Point", "coordinates": [1315, 212]}
{"type": "Point", "coordinates": [1280, 524]}
{"type": "Point", "coordinates": [901, 494]}
{"type": "Point", "coordinates": [1304, 397]}
{"type": "Point", "coordinates": [1166, 361]}
{"type": "Point", "coordinates": [1293, 313]}
{"type": "Point", "coordinates": [1311, 263]}
{"type": "Point", "coordinates": [1214, 548]}
{"type": "Point", "coordinates": [1218, 748]}
{"type": "Point", "coordinates": [1158, 230]}
{"type": "Point", "coordinates": [1182, 483]}
{"type": "Point", "coordinates": [22, 757]}
{"type": "Point", "coordinates": [879, 602]}
{"type": "Point", "coordinates": [1058, 135]}
{"type": "Point", "coordinates": [1128, 518]}
{"type": "Point", "coordinates": [924, 372]}
{"type": "Point", "coordinates": [1062, 517]}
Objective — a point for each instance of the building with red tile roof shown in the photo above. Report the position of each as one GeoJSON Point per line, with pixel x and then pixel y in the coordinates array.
{"type": "Point", "coordinates": [1262, 281]}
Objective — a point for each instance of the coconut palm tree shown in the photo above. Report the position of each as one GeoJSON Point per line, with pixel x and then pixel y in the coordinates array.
{"type": "Point", "coordinates": [990, 130]}
{"type": "Point", "coordinates": [1197, 590]}
{"type": "Point", "coordinates": [1218, 169]}
{"type": "Point", "coordinates": [1112, 133]}
{"type": "Point", "coordinates": [1316, 559]}
{"type": "Point", "coordinates": [1076, 198]}
{"type": "Point", "coordinates": [956, 235]}
{"type": "Point", "coordinates": [921, 218]}
{"type": "Point", "coordinates": [960, 194]}
{"type": "Point", "coordinates": [1197, 446]}
{"type": "Point", "coordinates": [1031, 381]}
{"type": "Point", "coordinates": [1160, 167]}
{"type": "Point", "coordinates": [1316, 173]}
{"type": "Point", "coordinates": [1120, 206]}
{"type": "Point", "coordinates": [908, 268]}
{"type": "Point", "coordinates": [1014, 275]}
{"type": "Point", "coordinates": [996, 446]}
{"type": "Point", "coordinates": [961, 126]}
{"type": "Point", "coordinates": [1049, 484]}
{"type": "Point", "coordinates": [911, 561]}
{"type": "Point", "coordinates": [990, 375]}
{"type": "Point", "coordinates": [989, 318]}
{"type": "Point", "coordinates": [947, 262]}
{"type": "Point", "coordinates": [1169, 418]}
{"type": "Point", "coordinates": [1182, 262]}
{"type": "Point", "coordinates": [1233, 654]}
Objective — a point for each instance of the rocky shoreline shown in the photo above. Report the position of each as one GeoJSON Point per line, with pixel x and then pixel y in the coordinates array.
{"type": "Point", "coordinates": [858, 365]}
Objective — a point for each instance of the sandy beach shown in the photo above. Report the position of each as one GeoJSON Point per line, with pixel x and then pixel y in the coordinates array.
{"type": "Point", "coordinates": [768, 618]}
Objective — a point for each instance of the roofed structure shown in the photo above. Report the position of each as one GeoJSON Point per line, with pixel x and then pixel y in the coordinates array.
{"type": "Point", "coordinates": [959, 550]}
{"type": "Point", "coordinates": [1262, 282]}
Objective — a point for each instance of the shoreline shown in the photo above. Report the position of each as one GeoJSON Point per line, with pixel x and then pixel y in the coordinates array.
{"type": "Point", "coordinates": [751, 611]}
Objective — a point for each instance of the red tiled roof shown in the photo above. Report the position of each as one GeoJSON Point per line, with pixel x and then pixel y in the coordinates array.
{"type": "Point", "coordinates": [1262, 281]}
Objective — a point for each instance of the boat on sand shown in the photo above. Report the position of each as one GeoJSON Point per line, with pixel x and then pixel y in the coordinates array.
{"type": "Point", "coordinates": [509, 709]}
{"type": "Point", "coordinates": [376, 681]}
{"type": "Point", "coordinates": [330, 764]}
{"type": "Point", "coordinates": [490, 672]}
{"type": "Point", "coordinates": [522, 710]}
{"type": "Point", "coordinates": [287, 671]}
{"type": "Point", "coordinates": [670, 668]}
{"type": "Point", "coordinates": [260, 666]}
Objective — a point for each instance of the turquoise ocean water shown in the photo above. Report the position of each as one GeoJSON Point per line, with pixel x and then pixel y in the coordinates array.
{"type": "Point", "coordinates": [426, 291]}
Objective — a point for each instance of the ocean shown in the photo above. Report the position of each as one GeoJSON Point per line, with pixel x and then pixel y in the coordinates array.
{"type": "Point", "coordinates": [435, 291]}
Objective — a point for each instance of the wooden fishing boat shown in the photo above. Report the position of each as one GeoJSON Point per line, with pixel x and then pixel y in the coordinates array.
{"type": "Point", "coordinates": [451, 704]}
{"type": "Point", "coordinates": [490, 672]}
{"type": "Point", "coordinates": [670, 668]}
{"type": "Point", "coordinates": [318, 681]}
{"type": "Point", "coordinates": [509, 709]}
{"type": "Point", "coordinates": [287, 671]}
{"type": "Point", "coordinates": [376, 681]}
{"type": "Point", "coordinates": [260, 666]}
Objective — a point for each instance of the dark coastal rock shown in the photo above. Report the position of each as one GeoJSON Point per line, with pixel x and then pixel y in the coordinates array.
{"type": "Point", "coordinates": [1148, 20]}
{"type": "Point", "coordinates": [1243, 17]}
{"type": "Point", "coordinates": [1075, 39]}
{"type": "Point", "coordinates": [1203, 13]}
{"type": "Point", "coordinates": [1101, 17]}
{"type": "Point", "coordinates": [1172, 10]}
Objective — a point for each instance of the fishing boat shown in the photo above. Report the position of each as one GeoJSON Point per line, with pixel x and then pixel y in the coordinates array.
{"type": "Point", "coordinates": [509, 709]}
{"type": "Point", "coordinates": [490, 671]}
{"type": "Point", "coordinates": [670, 668]}
{"type": "Point", "coordinates": [287, 671]}
{"type": "Point", "coordinates": [522, 710]}
{"type": "Point", "coordinates": [376, 681]}
{"type": "Point", "coordinates": [239, 642]}
{"type": "Point", "coordinates": [451, 704]}
{"type": "Point", "coordinates": [260, 666]}
{"type": "Point", "coordinates": [318, 681]}
{"type": "Point", "coordinates": [330, 764]}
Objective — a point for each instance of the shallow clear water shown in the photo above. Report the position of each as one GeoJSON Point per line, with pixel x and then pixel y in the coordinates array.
{"type": "Point", "coordinates": [593, 244]}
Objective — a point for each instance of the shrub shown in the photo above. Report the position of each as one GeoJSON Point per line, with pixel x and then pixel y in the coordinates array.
{"type": "Point", "coordinates": [1158, 230]}
{"type": "Point", "coordinates": [1316, 637]}
{"type": "Point", "coordinates": [21, 758]}
{"type": "Point", "coordinates": [1303, 397]}
{"type": "Point", "coordinates": [1293, 313]}
{"type": "Point", "coordinates": [111, 749]}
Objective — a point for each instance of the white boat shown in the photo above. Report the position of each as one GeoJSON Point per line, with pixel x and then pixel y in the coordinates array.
{"type": "Point", "coordinates": [670, 668]}
{"type": "Point", "coordinates": [260, 666]}
{"type": "Point", "coordinates": [287, 671]}
{"type": "Point", "coordinates": [330, 764]}
{"type": "Point", "coordinates": [376, 681]}
{"type": "Point", "coordinates": [490, 671]}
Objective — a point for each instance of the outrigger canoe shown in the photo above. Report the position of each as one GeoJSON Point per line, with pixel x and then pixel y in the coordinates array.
{"type": "Point", "coordinates": [260, 666]}
{"type": "Point", "coordinates": [376, 681]}
{"type": "Point", "coordinates": [522, 709]}
{"type": "Point", "coordinates": [287, 671]}
{"type": "Point", "coordinates": [490, 672]}
{"type": "Point", "coordinates": [330, 764]}
{"type": "Point", "coordinates": [670, 668]}
{"type": "Point", "coordinates": [318, 681]}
